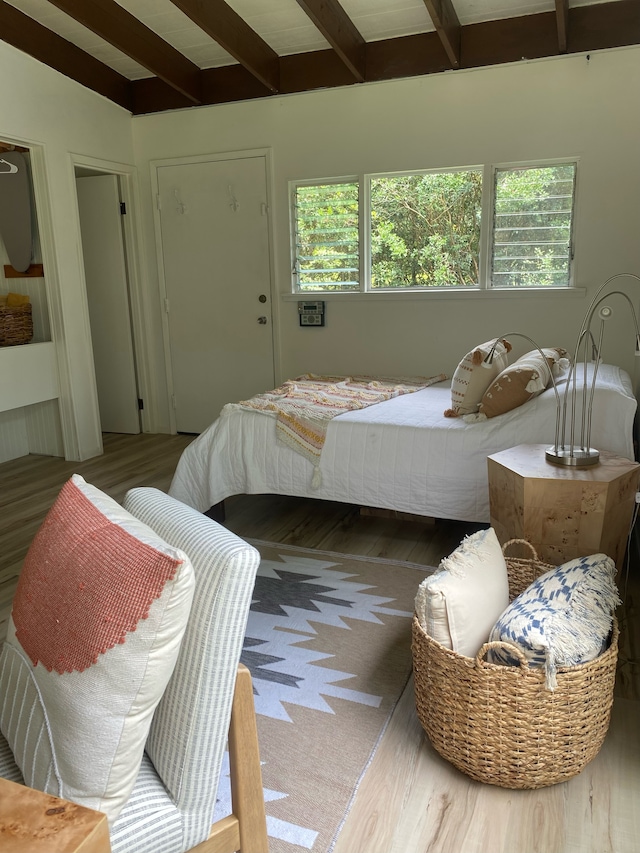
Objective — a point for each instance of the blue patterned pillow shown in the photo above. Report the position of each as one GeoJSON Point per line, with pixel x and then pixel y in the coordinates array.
{"type": "Point", "coordinates": [562, 619]}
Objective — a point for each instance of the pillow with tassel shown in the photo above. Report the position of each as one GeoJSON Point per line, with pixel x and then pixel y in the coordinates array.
{"type": "Point", "coordinates": [562, 619]}
{"type": "Point", "coordinates": [473, 376]}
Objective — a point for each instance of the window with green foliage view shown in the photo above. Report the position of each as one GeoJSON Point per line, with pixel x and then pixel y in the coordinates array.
{"type": "Point", "coordinates": [327, 238]}
{"type": "Point", "coordinates": [424, 230]}
{"type": "Point", "coordinates": [533, 209]}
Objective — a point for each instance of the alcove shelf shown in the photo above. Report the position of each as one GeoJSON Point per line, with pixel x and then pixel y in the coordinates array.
{"type": "Point", "coordinates": [29, 385]}
{"type": "Point", "coordinates": [28, 375]}
{"type": "Point", "coordinates": [34, 271]}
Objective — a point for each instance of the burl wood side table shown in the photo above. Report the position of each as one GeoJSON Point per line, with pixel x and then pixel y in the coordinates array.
{"type": "Point", "coordinates": [33, 822]}
{"type": "Point", "coordinates": [564, 512]}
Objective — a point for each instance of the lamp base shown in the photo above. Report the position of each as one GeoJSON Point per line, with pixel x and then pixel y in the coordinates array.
{"type": "Point", "coordinates": [574, 458]}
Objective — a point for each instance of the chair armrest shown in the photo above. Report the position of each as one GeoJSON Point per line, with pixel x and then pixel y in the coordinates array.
{"type": "Point", "coordinates": [246, 828]}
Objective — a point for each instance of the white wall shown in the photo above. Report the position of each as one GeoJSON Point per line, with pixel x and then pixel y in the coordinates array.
{"type": "Point", "coordinates": [56, 117]}
{"type": "Point", "coordinates": [562, 107]}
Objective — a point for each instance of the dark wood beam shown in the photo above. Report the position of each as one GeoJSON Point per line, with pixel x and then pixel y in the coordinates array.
{"type": "Point", "coordinates": [225, 26]}
{"type": "Point", "coordinates": [596, 27]}
{"type": "Point", "coordinates": [219, 86]}
{"type": "Point", "coordinates": [447, 25]}
{"type": "Point", "coordinates": [509, 40]}
{"type": "Point", "coordinates": [407, 56]}
{"type": "Point", "coordinates": [339, 30]}
{"type": "Point", "coordinates": [604, 25]}
{"type": "Point", "coordinates": [115, 25]}
{"type": "Point", "coordinates": [48, 47]}
{"type": "Point", "coordinates": [562, 18]}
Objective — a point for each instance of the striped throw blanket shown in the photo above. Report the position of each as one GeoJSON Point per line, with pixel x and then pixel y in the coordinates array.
{"type": "Point", "coordinates": [305, 405]}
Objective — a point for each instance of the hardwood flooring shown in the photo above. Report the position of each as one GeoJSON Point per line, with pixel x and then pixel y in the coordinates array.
{"type": "Point", "coordinates": [410, 800]}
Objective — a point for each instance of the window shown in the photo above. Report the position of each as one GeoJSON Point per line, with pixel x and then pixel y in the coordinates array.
{"type": "Point", "coordinates": [327, 237]}
{"type": "Point", "coordinates": [424, 230]}
{"type": "Point", "coordinates": [532, 226]}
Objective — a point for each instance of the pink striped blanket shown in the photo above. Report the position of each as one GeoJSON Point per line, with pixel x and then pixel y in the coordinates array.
{"type": "Point", "coordinates": [304, 406]}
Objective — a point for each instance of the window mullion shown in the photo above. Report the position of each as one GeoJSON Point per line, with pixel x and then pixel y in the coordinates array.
{"type": "Point", "coordinates": [486, 227]}
{"type": "Point", "coordinates": [365, 233]}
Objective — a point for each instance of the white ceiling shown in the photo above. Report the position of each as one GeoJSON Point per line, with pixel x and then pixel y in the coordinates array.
{"type": "Point", "coordinates": [281, 23]}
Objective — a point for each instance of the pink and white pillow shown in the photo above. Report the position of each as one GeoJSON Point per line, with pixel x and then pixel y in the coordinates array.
{"type": "Point", "coordinates": [99, 613]}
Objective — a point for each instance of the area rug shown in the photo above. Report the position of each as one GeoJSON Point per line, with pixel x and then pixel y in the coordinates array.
{"type": "Point", "coordinates": [328, 644]}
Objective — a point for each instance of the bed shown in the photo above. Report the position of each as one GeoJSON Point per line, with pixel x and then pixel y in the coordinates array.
{"type": "Point", "coordinates": [401, 454]}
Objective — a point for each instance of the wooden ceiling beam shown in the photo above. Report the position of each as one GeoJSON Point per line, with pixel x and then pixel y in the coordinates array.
{"type": "Point", "coordinates": [114, 24]}
{"type": "Point", "coordinates": [339, 30]}
{"type": "Point", "coordinates": [604, 25]}
{"type": "Point", "coordinates": [224, 25]}
{"type": "Point", "coordinates": [48, 47]}
{"type": "Point", "coordinates": [447, 25]}
{"type": "Point", "coordinates": [598, 27]}
{"type": "Point", "coordinates": [594, 27]}
{"type": "Point", "coordinates": [562, 18]}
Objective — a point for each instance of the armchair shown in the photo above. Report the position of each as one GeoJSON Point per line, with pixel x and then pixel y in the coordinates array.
{"type": "Point", "coordinates": [207, 703]}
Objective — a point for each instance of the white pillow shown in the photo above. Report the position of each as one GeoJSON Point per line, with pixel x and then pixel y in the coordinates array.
{"type": "Point", "coordinates": [473, 376]}
{"type": "Point", "coordinates": [520, 382]}
{"type": "Point", "coordinates": [99, 613]}
{"type": "Point", "coordinates": [562, 619]}
{"type": "Point", "coordinates": [459, 604]}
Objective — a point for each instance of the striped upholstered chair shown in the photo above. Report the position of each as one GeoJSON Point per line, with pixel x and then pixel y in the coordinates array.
{"type": "Point", "coordinates": [206, 704]}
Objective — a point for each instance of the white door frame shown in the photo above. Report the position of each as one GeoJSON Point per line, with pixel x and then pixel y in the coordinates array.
{"type": "Point", "coordinates": [154, 166]}
{"type": "Point", "coordinates": [132, 247]}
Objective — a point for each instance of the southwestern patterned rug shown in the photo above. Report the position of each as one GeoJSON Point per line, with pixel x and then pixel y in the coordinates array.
{"type": "Point", "coordinates": [328, 644]}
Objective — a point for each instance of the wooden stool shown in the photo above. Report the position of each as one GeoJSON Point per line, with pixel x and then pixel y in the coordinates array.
{"type": "Point", "coordinates": [563, 512]}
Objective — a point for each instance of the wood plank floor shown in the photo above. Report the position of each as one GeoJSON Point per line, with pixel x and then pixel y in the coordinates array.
{"type": "Point", "coordinates": [410, 800]}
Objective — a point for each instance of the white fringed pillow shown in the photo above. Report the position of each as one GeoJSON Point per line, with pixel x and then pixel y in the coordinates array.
{"type": "Point", "coordinates": [520, 382]}
{"type": "Point", "coordinates": [459, 604]}
{"type": "Point", "coordinates": [562, 619]}
{"type": "Point", "coordinates": [473, 376]}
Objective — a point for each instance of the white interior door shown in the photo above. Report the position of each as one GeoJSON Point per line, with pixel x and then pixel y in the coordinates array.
{"type": "Point", "coordinates": [215, 256]}
{"type": "Point", "coordinates": [108, 298]}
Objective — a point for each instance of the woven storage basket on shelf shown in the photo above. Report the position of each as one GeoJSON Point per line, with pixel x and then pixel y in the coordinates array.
{"type": "Point", "coordinates": [499, 724]}
{"type": "Point", "coordinates": [16, 325]}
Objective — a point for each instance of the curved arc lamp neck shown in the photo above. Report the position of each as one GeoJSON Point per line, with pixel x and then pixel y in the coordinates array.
{"type": "Point", "coordinates": [582, 455]}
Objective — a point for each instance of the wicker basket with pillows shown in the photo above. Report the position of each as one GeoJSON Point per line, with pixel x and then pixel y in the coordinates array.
{"type": "Point", "coordinates": [514, 662]}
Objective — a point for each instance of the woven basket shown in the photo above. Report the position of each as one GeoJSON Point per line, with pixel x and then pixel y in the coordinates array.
{"type": "Point", "coordinates": [16, 325]}
{"type": "Point", "coordinates": [499, 724]}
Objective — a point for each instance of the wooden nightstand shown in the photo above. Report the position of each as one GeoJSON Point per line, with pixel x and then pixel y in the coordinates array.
{"type": "Point", "coordinates": [33, 822]}
{"type": "Point", "coordinates": [563, 512]}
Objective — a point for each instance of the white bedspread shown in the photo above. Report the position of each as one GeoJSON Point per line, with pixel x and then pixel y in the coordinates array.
{"type": "Point", "coordinates": [401, 454]}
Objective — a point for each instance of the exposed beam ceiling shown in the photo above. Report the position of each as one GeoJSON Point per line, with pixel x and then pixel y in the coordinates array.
{"type": "Point", "coordinates": [562, 17]}
{"type": "Point", "coordinates": [225, 26]}
{"type": "Point", "coordinates": [447, 25]}
{"type": "Point", "coordinates": [249, 48]}
{"type": "Point", "coordinates": [339, 30]}
{"type": "Point", "coordinates": [114, 24]}
{"type": "Point", "coordinates": [31, 37]}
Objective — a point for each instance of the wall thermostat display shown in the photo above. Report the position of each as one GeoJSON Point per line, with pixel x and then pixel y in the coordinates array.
{"type": "Point", "coordinates": [311, 313]}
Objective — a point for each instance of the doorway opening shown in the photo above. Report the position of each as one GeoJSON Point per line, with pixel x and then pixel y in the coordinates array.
{"type": "Point", "coordinates": [111, 281]}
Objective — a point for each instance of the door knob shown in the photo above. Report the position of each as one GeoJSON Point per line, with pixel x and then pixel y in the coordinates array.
{"type": "Point", "coordinates": [262, 298]}
{"type": "Point", "coordinates": [262, 320]}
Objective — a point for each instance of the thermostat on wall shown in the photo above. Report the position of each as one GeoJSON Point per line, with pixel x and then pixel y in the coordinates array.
{"type": "Point", "coordinates": [311, 313]}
